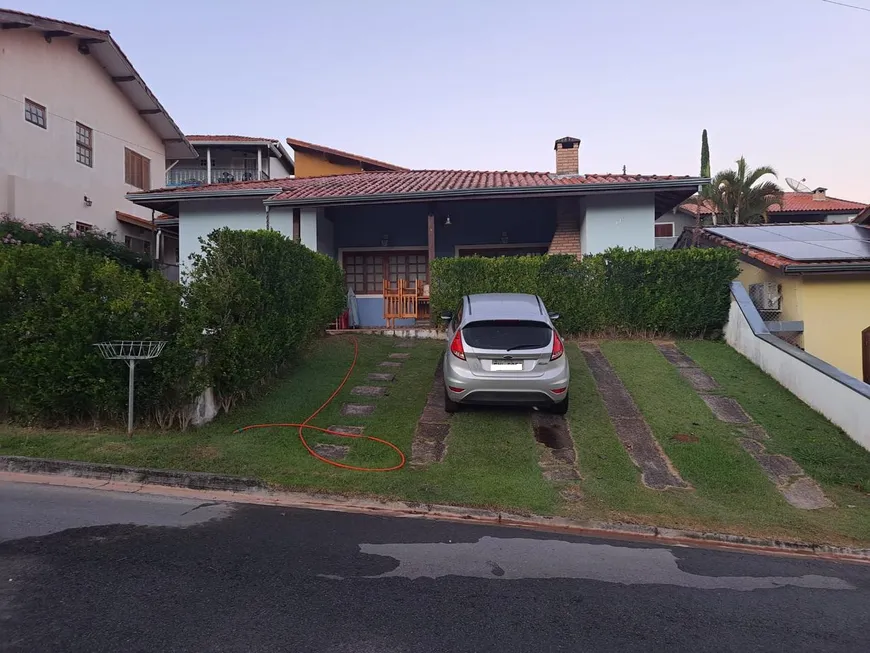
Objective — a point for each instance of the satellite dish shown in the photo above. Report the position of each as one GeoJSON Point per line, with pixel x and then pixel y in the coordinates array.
{"type": "Point", "coordinates": [797, 186]}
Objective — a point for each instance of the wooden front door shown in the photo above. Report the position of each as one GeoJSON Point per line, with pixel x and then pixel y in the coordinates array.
{"type": "Point", "coordinates": [865, 353]}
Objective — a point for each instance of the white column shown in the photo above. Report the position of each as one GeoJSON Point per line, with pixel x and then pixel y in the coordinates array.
{"type": "Point", "coordinates": [208, 164]}
{"type": "Point", "coordinates": [308, 228]}
{"type": "Point", "coordinates": [259, 163]}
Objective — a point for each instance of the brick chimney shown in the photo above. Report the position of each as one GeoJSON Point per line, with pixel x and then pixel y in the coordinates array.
{"type": "Point", "coordinates": [568, 156]}
{"type": "Point", "coordinates": [820, 194]}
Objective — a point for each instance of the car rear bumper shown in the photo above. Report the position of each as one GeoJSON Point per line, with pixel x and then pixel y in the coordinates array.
{"type": "Point", "coordinates": [505, 389]}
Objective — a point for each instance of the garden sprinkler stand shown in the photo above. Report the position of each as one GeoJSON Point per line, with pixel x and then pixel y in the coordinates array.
{"type": "Point", "coordinates": [131, 351]}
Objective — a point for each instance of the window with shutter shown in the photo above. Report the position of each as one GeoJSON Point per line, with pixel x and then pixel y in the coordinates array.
{"type": "Point", "coordinates": [137, 169]}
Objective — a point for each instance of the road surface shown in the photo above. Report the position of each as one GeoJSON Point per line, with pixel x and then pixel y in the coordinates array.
{"type": "Point", "coordinates": [91, 571]}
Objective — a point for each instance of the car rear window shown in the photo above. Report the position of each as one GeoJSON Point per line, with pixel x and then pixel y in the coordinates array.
{"type": "Point", "coordinates": [507, 334]}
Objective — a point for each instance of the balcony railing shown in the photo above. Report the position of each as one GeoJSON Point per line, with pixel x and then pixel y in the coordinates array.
{"type": "Point", "coordinates": [199, 176]}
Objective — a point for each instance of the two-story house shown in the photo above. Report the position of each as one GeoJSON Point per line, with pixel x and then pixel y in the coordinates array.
{"type": "Point", "coordinates": [225, 159]}
{"type": "Point", "coordinates": [79, 129]}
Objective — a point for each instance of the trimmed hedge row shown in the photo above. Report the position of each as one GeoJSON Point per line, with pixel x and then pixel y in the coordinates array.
{"type": "Point", "coordinates": [680, 292]}
{"type": "Point", "coordinates": [252, 301]}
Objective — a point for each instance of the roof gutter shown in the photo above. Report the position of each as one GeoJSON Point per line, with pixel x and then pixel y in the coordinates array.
{"type": "Point", "coordinates": [687, 184]}
{"type": "Point", "coordinates": [202, 195]}
{"type": "Point", "coordinates": [804, 268]}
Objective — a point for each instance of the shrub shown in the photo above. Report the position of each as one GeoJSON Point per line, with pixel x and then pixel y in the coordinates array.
{"type": "Point", "coordinates": [16, 232]}
{"type": "Point", "coordinates": [681, 292]}
{"type": "Point", "coordinates": [253, 301]}
{"type": "Point", "coordinates": [55, 302]}
{"type": "Point", "coordinates": [258, 297]}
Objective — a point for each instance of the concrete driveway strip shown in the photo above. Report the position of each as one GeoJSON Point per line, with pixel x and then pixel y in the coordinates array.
{"type": "Point", "coordinates": [138, 573]}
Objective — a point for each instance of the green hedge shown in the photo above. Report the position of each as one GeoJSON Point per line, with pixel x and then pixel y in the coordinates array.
{"type": "Point", "coordinates": [253, 300]}
{"type": "Point", "coordinates": [16, 232]}
{"type": "Point", "coordinates": [680, 292]}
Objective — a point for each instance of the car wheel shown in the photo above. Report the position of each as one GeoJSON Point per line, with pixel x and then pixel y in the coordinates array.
{"type": "Point", "coordinates": [449, 405]}
{"type": "Point", "coordinates": [561, 408]}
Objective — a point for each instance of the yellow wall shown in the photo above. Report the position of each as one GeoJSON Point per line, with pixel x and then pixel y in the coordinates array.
{"type": "Point", "coordinates": [311, 165]}
{"type": "Point", "coordinates": [836, 311]}
{"type": "Point", "coordinates": [791, 288]}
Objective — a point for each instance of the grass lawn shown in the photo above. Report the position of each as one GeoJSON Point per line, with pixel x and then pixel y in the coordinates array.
{"type": "Point", "coordinates": [491, 472]}
{"type": "Point", "coordinates": [731, 493]}
{"type": "Point", "coordinates": [492, 456]}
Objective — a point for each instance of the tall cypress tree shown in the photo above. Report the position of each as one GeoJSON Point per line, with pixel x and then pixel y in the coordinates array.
{"type": "Point", "coordinates": [705, 155]}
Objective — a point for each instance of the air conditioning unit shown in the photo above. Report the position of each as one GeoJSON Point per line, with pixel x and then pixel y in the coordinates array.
{"type": "Point", "coordinates": [766, 296]}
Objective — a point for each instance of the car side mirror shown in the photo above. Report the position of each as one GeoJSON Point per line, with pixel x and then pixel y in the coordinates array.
{"type": "Point", "coordinates": [554, 316]}
{"type": "Point", "coordinates": [446, 316]}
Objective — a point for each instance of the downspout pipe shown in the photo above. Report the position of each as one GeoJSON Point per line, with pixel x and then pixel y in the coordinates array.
{"type": "Point", "coordinates": [268, 225]}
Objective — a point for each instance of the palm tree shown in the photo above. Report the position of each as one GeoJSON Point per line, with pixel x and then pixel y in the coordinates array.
{"type": "Point", "coordinates": [741, 197]}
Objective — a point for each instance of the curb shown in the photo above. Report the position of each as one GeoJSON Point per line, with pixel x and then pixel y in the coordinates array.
{"type": "Point", "coordinates": [121, 473]}
{"type": "Point", "coordinates": [248, 490]}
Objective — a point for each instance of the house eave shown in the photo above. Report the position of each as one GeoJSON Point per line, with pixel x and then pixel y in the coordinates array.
{"type": "Point", "coordinates": [689, 184]}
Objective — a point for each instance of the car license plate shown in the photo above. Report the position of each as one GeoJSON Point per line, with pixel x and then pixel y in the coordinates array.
{"type": "Point", "coordinates": [506, 366]}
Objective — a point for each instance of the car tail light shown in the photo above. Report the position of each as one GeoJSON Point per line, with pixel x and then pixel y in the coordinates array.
{"type": "Point", "coordinates": [558, 391]}
{"type": "Point", "coordinates": [453, 389]}
{"type": "Point", "coordinates": [558, 347]}
{"type": "Point", "coordinates": [456, 347]}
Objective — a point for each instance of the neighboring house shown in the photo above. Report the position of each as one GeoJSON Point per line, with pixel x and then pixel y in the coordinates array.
{"type": "Point", "coordinates": [810, 282]}
{"type": "Point", "coordinates": [225, 159]}
{"type": "Point", "coordinates": [389, 225]}
{"type": "Point", "coordinates": [79, 129]}
{"type": "Point", "coordinates": [320, 161]}
{"type": "Point", "coordinates": [814, 206]}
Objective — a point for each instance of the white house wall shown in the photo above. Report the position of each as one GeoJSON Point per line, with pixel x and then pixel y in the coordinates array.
{"type": "Point", "coordinates": [622, 220]}
{"type": "Point", "coordinates": [680, 221]}
{"type": "Point", "coordinates": [197, 219]}
{"type": "Point", "coordinates": [40, 179]}
{"type": "Point", "coordinates": [277, 169]}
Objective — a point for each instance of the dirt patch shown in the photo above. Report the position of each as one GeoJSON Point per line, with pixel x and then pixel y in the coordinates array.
{"type": "Point", "coordinates": [687, 438]}
{"type": "Point", "coordinates": [726, 409]}
{"type": "Point", "coordinates": [558, 457]}
{"type": "Point", "coordinates": [699, 379]}
{"type": "Point", "coordinates": [205, 452]}
{"type": "Point", "coordinates": [571, 494]}
{"type": "Point", "coordinates": [754, 432]}
{"type": "Point", "coordinates": [552, 432]}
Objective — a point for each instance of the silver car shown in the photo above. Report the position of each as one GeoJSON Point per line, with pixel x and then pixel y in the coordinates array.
{"type": "Point", "coordinates": [503, 349]}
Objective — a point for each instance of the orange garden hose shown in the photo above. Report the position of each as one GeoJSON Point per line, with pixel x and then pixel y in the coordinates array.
{"type": "Point", "coordinates": [305, 425]}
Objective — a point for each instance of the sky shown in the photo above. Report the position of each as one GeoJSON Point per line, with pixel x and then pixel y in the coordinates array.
{"type": "Point", "coordinates": [490, 84]}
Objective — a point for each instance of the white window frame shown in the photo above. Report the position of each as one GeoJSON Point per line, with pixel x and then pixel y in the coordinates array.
{"type": "Point", "coordinates": [673, 229]}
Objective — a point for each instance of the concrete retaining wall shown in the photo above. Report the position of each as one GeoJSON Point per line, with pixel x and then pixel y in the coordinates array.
{"type": "Point", "coordinates": [841, 398]}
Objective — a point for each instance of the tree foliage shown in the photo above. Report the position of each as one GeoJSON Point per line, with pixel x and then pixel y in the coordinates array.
{"type": "Point", "coordinates": [741, 196]}
{"type": "Point", "coordinates": [679, 292]}
{"type": "Point", "coordinates": [705, 155]}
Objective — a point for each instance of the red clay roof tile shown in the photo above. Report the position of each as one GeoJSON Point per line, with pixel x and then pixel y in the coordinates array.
{"type": "Point", "coordinates": [791, 203]}
{"type": "Point", "coordinates": [372, 184]}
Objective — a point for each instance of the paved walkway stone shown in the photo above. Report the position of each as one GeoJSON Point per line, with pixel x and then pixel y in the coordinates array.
{"type": "Point", "coordinates": [381, 376]}
{"type": "Point", "coordinates": [352, 430]}
{"type": "Point", "coordinates": [433, 428]}
{"type": "Point", "coordinates": [401, 356]}
{"type": "Point", "coordinates": [633, 432]}
{"type": "Point", "coordinates": [390, 364]}
{"type": "Point", "coordinates": [369, 391]}
{"type": "Point", "coordinates": [331, 451]}
{"type": "Point", "coordinates": [357, 409]}
{"type": "Point", "coordinates": [726, 409]}
{"type": "Point", "coordinates": [796, 487]}
{"type": "Point", "coordinates": [407, 344]}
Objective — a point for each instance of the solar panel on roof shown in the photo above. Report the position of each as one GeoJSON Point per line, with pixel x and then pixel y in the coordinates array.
{"type": "Point", "coordinates": [746, 235]}
{"type": "Point", "coordinates": [859, 248]}
{"type": "Point", "coordinates": [824, 242]}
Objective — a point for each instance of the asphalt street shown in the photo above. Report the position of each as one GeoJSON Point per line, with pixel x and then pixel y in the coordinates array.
{"type": "Point", "coordinates": [91, 571]}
